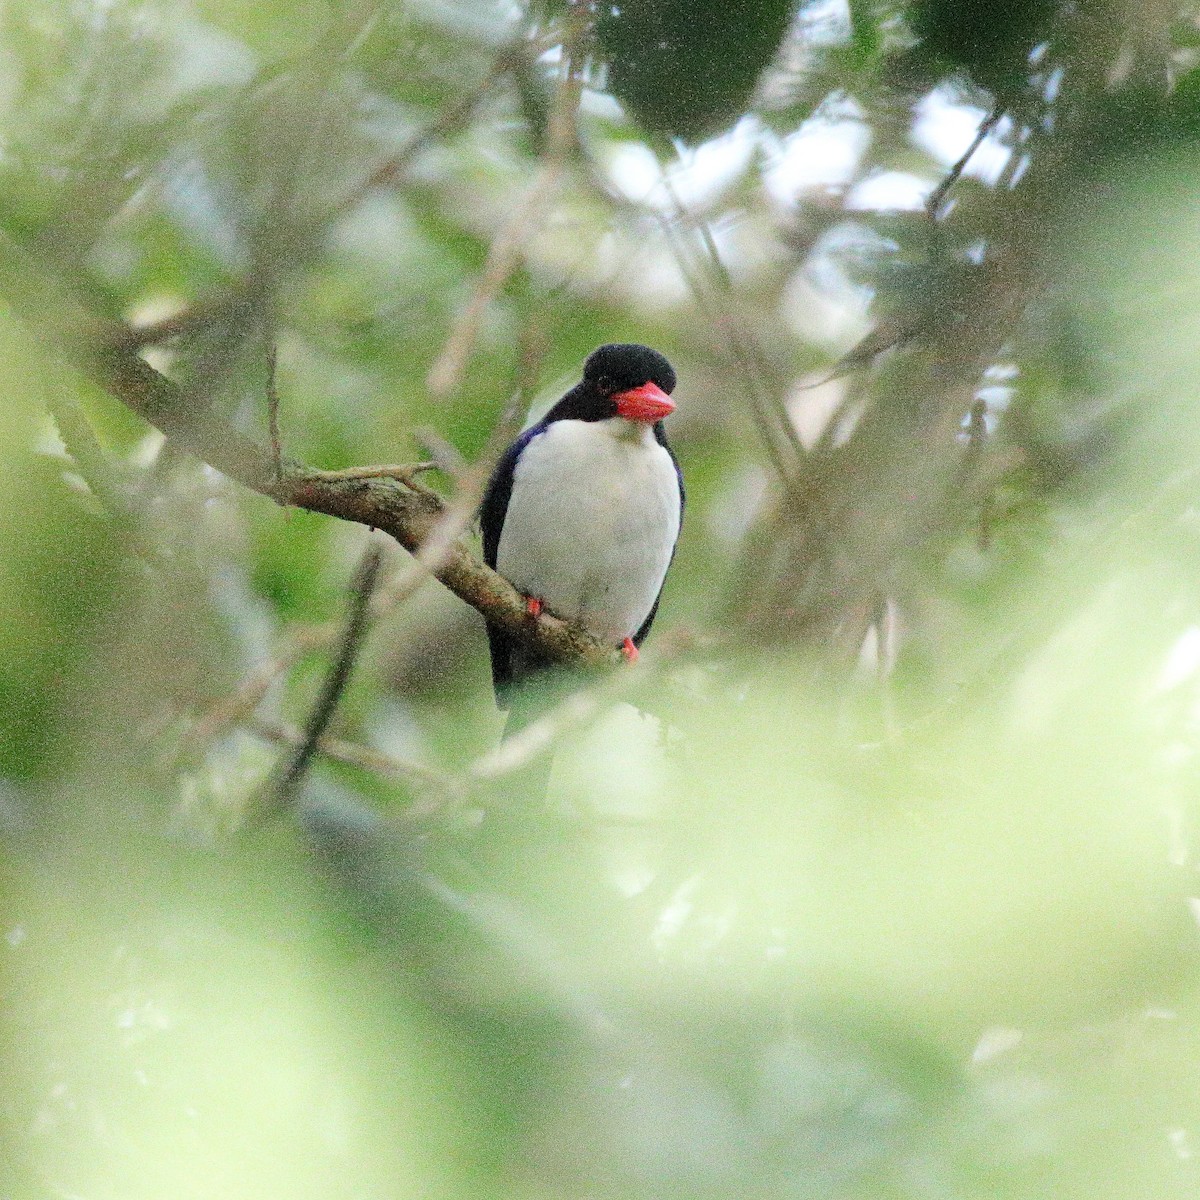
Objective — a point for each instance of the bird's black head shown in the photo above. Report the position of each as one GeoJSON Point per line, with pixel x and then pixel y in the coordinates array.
{"type": "Point", "coordinates": [625, 365]}
{"type": "Point", "coordinates": [620, 380]}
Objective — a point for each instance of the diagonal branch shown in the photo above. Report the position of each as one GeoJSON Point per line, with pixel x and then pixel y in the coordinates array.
{"type": "Point", "coordinates": [933, 205]}
{"type": "Point", "coordinates": [284, 785]}
{"type": "Point", "coordinates": [100, 349]}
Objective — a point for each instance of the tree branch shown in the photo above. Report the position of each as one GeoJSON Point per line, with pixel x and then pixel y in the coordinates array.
{"type": "Point", "coordinates": [285, 782]}
{"type": "Point", "coordinates": [933, 205]}
{"type": "Point", "coordinates": [447, 789]}
{"type": "Point", "coordinates": [100, 349]}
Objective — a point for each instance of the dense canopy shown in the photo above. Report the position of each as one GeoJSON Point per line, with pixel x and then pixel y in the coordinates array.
{"type": "Point", "coordinates": [875, 876]}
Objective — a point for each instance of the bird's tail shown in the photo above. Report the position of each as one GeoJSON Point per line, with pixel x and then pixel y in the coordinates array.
{"type": "Point", "coordinates": [526, 751]}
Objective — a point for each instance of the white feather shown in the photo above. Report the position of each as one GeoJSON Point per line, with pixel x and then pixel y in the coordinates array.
{"type": "Point", "coordinates": [592, 522]}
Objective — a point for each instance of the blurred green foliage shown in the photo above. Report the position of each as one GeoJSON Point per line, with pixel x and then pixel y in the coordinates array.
{"type": "Point", "coordinates": [991, 43]}
{"type": "Point", "coordinates": [894, 894]}
{"type": "Point", "coordinates": [687, 70]}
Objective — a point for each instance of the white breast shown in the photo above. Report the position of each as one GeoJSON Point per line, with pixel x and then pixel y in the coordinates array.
{"type": "Point", "coordinates": [592, 522]}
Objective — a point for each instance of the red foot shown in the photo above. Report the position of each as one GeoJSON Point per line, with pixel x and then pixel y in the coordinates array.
{"type": "Point", "coordinates": [630, 651]}
{"type": "Point", "coordinates": [533, 606]}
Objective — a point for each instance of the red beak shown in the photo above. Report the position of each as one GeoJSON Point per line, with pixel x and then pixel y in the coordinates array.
{"type": "Point", "coordinates": [646, 403]}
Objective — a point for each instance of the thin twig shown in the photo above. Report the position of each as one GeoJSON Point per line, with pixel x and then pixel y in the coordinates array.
{"type": "Point", "coordinates": [977, 433]}
{"type": "Point", "coordinates": [449, 122]}
{"type": "Point", "coordinates": [762, 421]}
{"type": "Point", "coordinates": [441, 450]}
{"type": "Point", "coordinates": [504, 255]}
{"type": "Point", "coordinates": [744, 347]}
{"type": "Point", "coordinates": [273, 414]}
{"type": "Point", "coordinates": [366, 758]}
{"type": "Point", "coordinates": [472, 480]}
{"type": "Point", "coordinates": [115, 489]}
{"type": "Point", "coordinates": [284, 785]}
{"type": "Point", "coordinates": [886, 335]}
{"type": "Point", "coordinates": [536, 739]}
{"type": "Point", "coordinates": [240, 704]}
{"type": "Point", "coordinates": [503, 258]}
{"type": "Point", "coordinates": [439, 790]}
{"type": "Point", "coordinates": [977, 427]}
{"type": "Point", "coordinates": [446, 124]}
{"type": "Point", "coordinates": [643, 686]}
{"type": "Point", "coordinates": [405, 473]}
{"type": "Point", "coordinates": [934, 203]}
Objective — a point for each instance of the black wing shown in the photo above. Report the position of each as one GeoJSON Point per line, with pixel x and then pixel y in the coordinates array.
{"type": "Point", "coordinates": [492, 511]}
{"type": "Point", "coordinates": [661, 437]}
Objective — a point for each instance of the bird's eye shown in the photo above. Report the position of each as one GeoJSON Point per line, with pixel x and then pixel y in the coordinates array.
{"type": "Point", "coordinates": [605, 383]}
